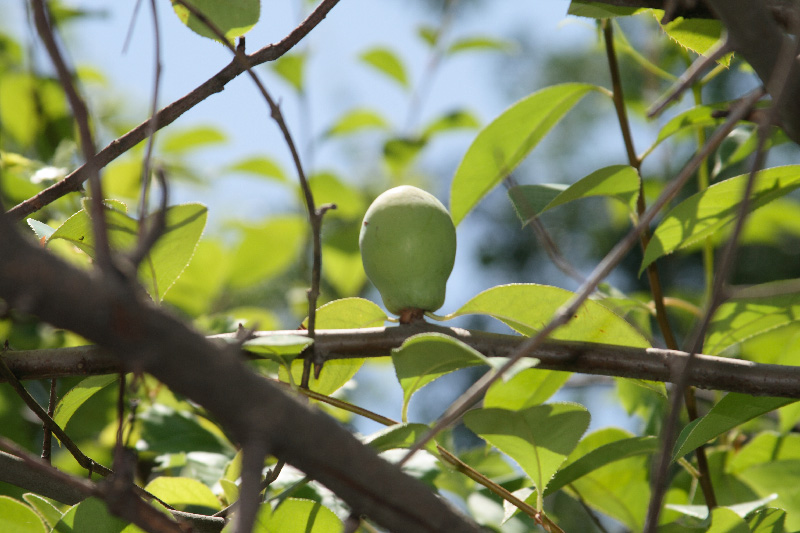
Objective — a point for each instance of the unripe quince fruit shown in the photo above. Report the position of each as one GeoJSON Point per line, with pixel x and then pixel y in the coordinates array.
{"type": "Point", "coordinates": [408, 247]}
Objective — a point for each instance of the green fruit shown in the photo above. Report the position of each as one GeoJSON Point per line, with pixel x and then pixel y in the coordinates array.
{"type": "Point", "coordinates": [408, 247]}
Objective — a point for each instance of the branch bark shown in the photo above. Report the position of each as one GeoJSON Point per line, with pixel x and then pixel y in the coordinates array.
{"type": "Point", "coordinates": [708, 371]}
{"type": "Point", "coordinates": [113, 314]}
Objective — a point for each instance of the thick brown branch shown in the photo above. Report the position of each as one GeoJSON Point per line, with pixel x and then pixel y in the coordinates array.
{"type": "Point", "coordinates": [708, 371]}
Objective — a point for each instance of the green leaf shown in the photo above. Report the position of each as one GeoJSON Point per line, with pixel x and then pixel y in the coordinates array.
{"type": "Point", "coordinates": [765, 447]}
{"type": "Point", "coordinates": [347, 313]}
{"type": "Point", "coordinates": [454, 120]}
{"type": "Point", "coordinates": [18, 107]}
{"type": "Point", "coordinates": [233, 17]}
{"type": "Point", "coordinates": [695, 34]}
{"type": "Point", "coordinates": [184, 493]}
{"type": "Point", "coordinates": [17, 517]}
{"type": "Point", "coordinates": [600, 10]}
{"type": "Point", "coordinates": [329, 189]}
{"type": "Point", "coordinates": [78, 395]}
{"type": "Point", "coordinates": [42, 230]}
{"type": "Point", "coordinates": [538, 438]}
{"type": "Point", "coordinates": [165, 430]}
{"type": "Point", "coordinates": [400, 152]}
{"type": "Point", "coordinates": [293, 515]}
{"type": "Point", "coordinates": [399, 436]}
{"type": "Point", "coordinates": [386, 62]}
{"type": "Point", "coordinates": [740, 510]}
{"type": "Point", "coordinates": [706, 212]}
{"type": "Point", "coordinates": [280, 348]}
{"type": "Point", "coordinates": [726, 521]}
{"type": "Point", "coordinates": [511, 304]}
{"type": "Point", "coordinates": [692, 119]}
{"type": "Point", "coordinates": [741, 319]}
{"type": "Point", "coordinates": [503, 144]}
{"type": "Point", "coordinates": [429, 34]}
{"type": "Point", "coordinates": [619, 489]}
{"type": "Point", "coordinates": [260, 166]}
{"type": "Point", "coordinates": [196, 291]}
{"type": "Point", "coordinates": [426, 357]}
{"type": "Point", "coordinates": [732, 410]}
{"type": "Point", "coordinates": [167, 259]}
{"type": "Point", "coordinates": [620, 182]}
{"type": "Point", "coordinates": [183, 141]}
{"type": "Point", "coordinates": [290, 67]}
{"type": "Point", "coordinates": [357, 120]}
{"type": "Point", "coordinates": [48, 512]}
{"type": "Point", "coordinates": [479, 43]}
{"type": "Point", "coordinates": [527, 388]}
{"type": "Point", "coordinates": [777, 477]}
{"type": "Point", "coordinates": [267, 250]}
{"type": "Point", "coordinates": [600, 457]}
{"type": "Point", "coordinates": [90, 515]}
{"type": "Point", "coordinates": [767, 521]}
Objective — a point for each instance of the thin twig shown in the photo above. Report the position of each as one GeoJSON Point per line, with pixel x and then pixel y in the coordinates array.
{"type": "Point", "coordinates": [611, 260]}
{"type": "Point", "coordinates": [47, 442]}
{"type": "Point", "coordinates": [151, 133]}
{"type": "Point", "coordinates": [81, 114]}
{"type": "Point", "coordinates": [89, 464]}
{"type": "Point", "coordinates": [170, 113]}
{"type": "Point", "coordinates": [691, 75]}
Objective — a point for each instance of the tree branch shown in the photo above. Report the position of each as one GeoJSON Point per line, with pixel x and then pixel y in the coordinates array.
{"type": "Point", "coordinates": [655, 364]}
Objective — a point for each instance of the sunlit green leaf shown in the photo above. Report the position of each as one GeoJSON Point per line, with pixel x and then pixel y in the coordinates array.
{"type": "Point", "coordinates": [89, 515]}
{"type": "Point", "coordinates": [291, 68]}
{"type": "Point", "coordinates": [357, 120]}
{"type": "Point", "coordinates": [386, 62]}
{"type": "Point", "coordinates": [78, 395]}
{"type": "Point", "coordinates": [777, 477]}
{"type": "Point", "coordinates": [619, 182]}
{"type": "Point", "coordinates": [182, 141]}
{"type": "Point", "coordinates": [527, 388]}
{"type": "Point", "coordinates": [529, 307]}
{"type": "Point", "coordinates": [503, 144]}
{"type": "Point", "coordinates": [740, 319]}
{"type": "Point", "coordinates": [233, 18]}
{"type": "Point", "coordinates": [600, 10]}
{"type": "Point", "coordinates": [17, 517]}
{"type": "Point", "coordinates": [48, 512]}
{"type": "Point", "coordinates": [42, 230]}
{"type": "Point", "coordinates": [280, 348]}
{"type": "Point", "coordinates": [765, 447]}
{"type": "Point", "coordinates": [455, 120]}
{"type": "Point", "coordinates": [165, 430]}
{"type": "Point", "coordinates": [708, 211]}
{"type": "Point", "coordinates": [734, 409]}
{"type": "Point", "coordinates": [398, 436]}
{"type": "Point", "coordinates": [172, 252]}
{"type": "Point", "coordinates": [426, 357]}
{"type": "Point", "coordinates": [479, 43]}
{"type": "Point", "coordinates": [401, 152]}
{"type": "Point", "coordinates": [267, 250]}
{"type": "Point", "coordinates": [697, 34]}
{"type": "Point", "coordinates": [538, 438]}
{"type": "Point", "coordinates": [183, 493]}
{"type": "Point", "coordinates": [293, 515]}
{"type": "Point", "coordinates": [767, 521]}
{"type": "Point", "coordinates": [347, 313]}
{"type": "Point", "coordinates": [196, 290]}
{"type": "Point", "coordinates": [260, 166]}
{"type": "Point", "coordinates": [689, 120]}
{"type": "Point", "coordinates": [330, 189]}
